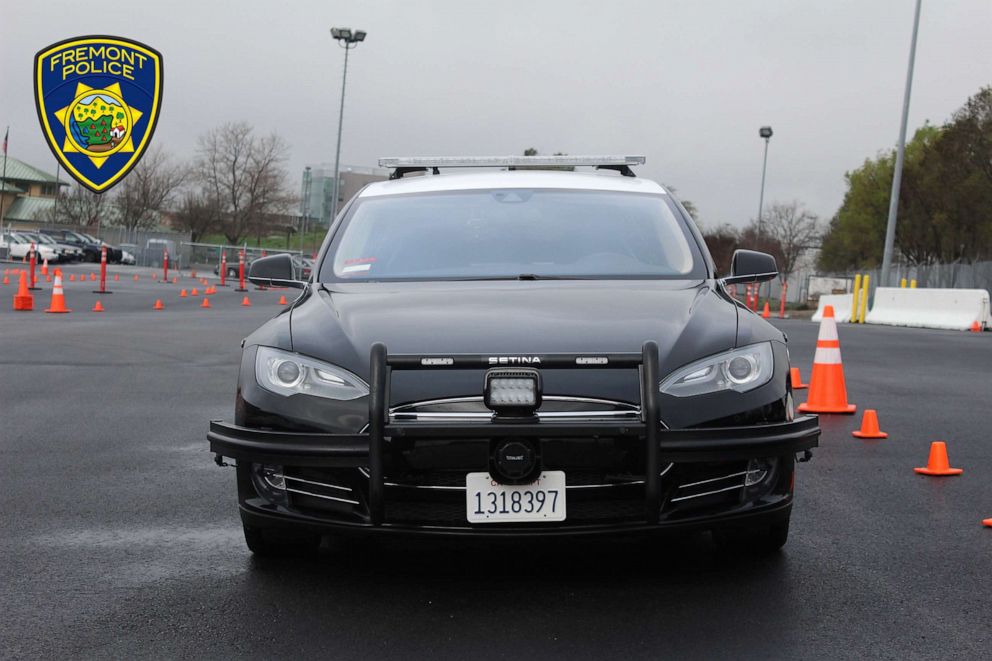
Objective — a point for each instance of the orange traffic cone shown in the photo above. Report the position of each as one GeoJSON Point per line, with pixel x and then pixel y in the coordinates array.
{"type": "Point", "coordinates": [158, 304]}
{"type": "Point", "coordinates": [869, 426]}
{"type": "Point", "coordinates": [72, 277]}
{"type": "Point", "coordinates": [92, 277]}
{"type": "Point", "coordinates": [135, 277]}
{"type": "Point", "coordinates": [766, 313]}
{"type": "Point", "coordinates": [58, 296]}
{"type": "Point", "coordinates": [827, 391]}
{"type": "Point", "coordinates": [245, 302]}
{"type": "Point", "coordinates": [194, 292]}
{"type": "Point", "coordinates": [98, 306]}
{"type": "Point", "coordinates": [282, 300]}
{"type": "Point", "coordinates": [117, 277]}
{"type": "Point", "coordinates": [938, 464]}
{"type": "Point", "coordinates": [205, 303]}
{"type": "Point", "coordinates": [175, 281]}
{"type": "Point", "coordinates": [976, 327]}
{"type": "Point", "coordinates": [797, 379]}
{"type": "Point", "coordinates": [44, 267]}
{"type": "Point", "coordinates": [183, 294]}
{"type": "Point", "coordinates": [48, 278]}
{"type": "Point", "coordinates": [23, 299]}
{"type": "Point", "coordinates": [987, 523]}
{"type": "Point", "coordinates": [6, 279]}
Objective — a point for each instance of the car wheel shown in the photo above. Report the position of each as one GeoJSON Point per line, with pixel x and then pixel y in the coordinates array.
{"type": "Point", "coordinates": [267, 545]}
{"type": "Point", "coordinates": [754, 541]}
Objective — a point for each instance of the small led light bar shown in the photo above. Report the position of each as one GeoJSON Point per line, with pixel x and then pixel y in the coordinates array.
{"type": "Point", "coordinates": [513, 391]}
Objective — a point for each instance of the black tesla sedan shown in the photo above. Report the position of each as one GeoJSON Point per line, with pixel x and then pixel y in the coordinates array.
{"type": "Point", "coordinates": [514, 352]}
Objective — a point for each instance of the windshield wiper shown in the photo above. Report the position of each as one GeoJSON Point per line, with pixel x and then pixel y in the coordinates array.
{"type": "Point", "coordinates": [525, 276]}
{"type": "Point", "coordinates": [535, 276]}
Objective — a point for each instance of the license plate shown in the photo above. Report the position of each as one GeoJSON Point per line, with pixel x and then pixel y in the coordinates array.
{"type": "Point", "coordinates": [488, 501]}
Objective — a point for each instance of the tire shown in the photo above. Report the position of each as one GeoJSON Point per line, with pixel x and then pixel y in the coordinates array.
{"type": "Point", "coordinates": [765, 540]}
{"type": "Point", "coordinates": [266, 544]}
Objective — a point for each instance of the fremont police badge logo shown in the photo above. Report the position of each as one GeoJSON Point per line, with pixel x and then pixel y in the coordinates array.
{"type": "Point", "coordinates": [98, 100]}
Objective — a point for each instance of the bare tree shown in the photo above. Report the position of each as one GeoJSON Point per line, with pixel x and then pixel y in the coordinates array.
{"type": "Point", "coordinates": [794, 229]}
{"type": "Point", "coordinates": [78, 207]}
{"type": "Point", "coordinates": [243, 175]}
{"type": "Point", "coordinates": [147, 189]}
{"type": "Point", "coordinates": [722, 241]}
{"type": "Point", "coordinates": [197, 214]}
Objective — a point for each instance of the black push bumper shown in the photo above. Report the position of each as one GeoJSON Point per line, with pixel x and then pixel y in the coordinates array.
{"type": "Point", "coordinates": [368, 450]}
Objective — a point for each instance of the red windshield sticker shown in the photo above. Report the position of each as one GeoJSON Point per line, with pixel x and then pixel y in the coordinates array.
{"type": "Point", "coordinates": [359, 260]}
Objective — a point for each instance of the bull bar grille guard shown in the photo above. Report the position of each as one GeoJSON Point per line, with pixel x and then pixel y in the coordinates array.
{"type": "Point", "coordinates": [368, 448]}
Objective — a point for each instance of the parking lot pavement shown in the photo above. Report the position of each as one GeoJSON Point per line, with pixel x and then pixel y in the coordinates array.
{"type": "Point", "coordinates": [119, 537]}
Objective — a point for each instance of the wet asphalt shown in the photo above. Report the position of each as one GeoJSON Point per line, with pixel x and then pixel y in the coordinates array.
{"type": "Point", "coordinates": [120, 538]}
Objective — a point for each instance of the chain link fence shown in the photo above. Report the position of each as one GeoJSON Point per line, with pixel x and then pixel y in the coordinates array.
{"type": "Point", "coordinates": [208, 255]}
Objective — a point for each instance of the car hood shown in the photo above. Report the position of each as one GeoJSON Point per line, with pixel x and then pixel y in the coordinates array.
{"type": "Point", "coordinates": [688, 319]}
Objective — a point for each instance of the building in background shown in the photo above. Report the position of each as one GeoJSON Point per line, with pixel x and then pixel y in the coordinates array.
{"type": "Point", "coordinates": [353, 179]}
{"type": "Point", "coordinates": [28, 194]}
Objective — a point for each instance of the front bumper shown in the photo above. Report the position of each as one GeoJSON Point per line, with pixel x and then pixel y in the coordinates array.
{"type": "Point", "coordinates": [700, 483]}
{"type": "Point", "coordinates": [625, 474]}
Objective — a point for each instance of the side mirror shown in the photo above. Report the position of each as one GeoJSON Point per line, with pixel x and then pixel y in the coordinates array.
{"type": "Point", "coordinates": [751, 266]}
{"type": "Point", "coordinates": [274, 270]}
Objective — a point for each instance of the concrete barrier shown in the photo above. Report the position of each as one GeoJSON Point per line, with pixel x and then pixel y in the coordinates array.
{"type": "Point", "coordinates": [952, 309]}
{"type": "Point", "coordinates": [842, 307]}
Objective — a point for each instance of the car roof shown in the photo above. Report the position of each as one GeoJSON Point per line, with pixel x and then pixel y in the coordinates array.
{"type": "Point", "coordinates": [512, 179]}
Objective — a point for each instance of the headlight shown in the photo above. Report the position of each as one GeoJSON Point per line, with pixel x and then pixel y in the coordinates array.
{"type": "Point", "coordinates": [286, 373]}
{"type": "Point", "coordinates": [741, 370]}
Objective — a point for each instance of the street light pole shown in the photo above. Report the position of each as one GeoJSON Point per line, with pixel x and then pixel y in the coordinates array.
{"type": "Point", "coordinates": [890, 226]}
{"type": "Point", "coordinates": [766, 133]}
{"type": "Point", "coordinates": [305, 219]}
{"type": "Point", "coordinates": [347, 39]}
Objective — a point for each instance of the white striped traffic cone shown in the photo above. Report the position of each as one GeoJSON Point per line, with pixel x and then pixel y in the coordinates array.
{"type": "Point", "coordinates": [58, 296]}
{"type": "Point", "coordinates": [827, 391]}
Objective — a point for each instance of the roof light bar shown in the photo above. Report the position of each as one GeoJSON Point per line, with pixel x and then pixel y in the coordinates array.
{"type": "Point", "coordinates": [504, 161]}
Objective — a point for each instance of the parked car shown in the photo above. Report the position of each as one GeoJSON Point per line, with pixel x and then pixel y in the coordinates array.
{"type": "Point", "coordinates": [64, 251]}
{"type": "Point", "coordinates": [90, 248]}
{"type": "Point", "coordinates": [517, 353]}
{"type": "Point", "coordinates": [113, 252]}
{"type": "Point", "coordinates": [233, 268]}
{"type": "Point", "coordinates": [18, 247]}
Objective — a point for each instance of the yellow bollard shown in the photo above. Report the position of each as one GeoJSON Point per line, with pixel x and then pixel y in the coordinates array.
{"type": "Point", "coordinates": [912, 283]}
{"type": "Point", "coordinates": [854, 301]}
{"type": "Point", "coordinates": [902, 283]}
{"type": "Point", "coordinates": [864, 298]}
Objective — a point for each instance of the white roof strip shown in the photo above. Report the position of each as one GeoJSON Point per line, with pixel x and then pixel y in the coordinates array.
{"type": "Point", "coordinates": [505, 161]}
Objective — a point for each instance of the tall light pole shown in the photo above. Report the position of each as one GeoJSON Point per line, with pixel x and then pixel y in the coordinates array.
{"type": "Point", "coordinates": [766, 133]}
{"type": "Point", "coordinates": [347, 39]}
{"type": "Point", "coordinates": [305, 216]}
{"type": "Point", "coordinates": [890, 226]}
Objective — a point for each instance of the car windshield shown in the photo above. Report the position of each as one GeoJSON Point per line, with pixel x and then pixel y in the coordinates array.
{"type": "Point", "coordinates": [511, 234]}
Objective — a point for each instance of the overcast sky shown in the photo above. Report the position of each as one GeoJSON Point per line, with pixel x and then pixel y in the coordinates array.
{"type": "Point", "coordinates": [685, 83]}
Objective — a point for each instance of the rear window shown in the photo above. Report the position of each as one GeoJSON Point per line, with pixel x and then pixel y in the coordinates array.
{"type": "Point", "coordinates": [508, 233]}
